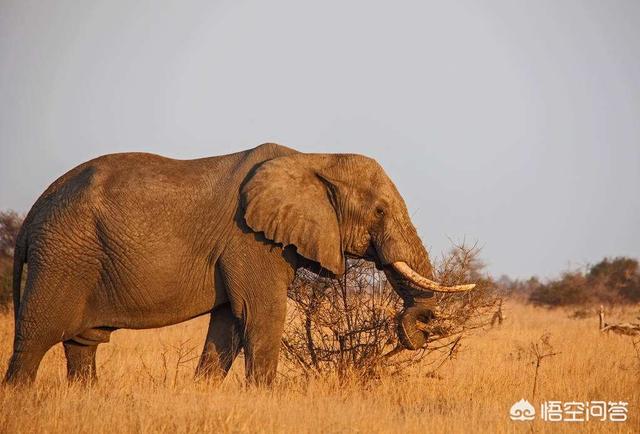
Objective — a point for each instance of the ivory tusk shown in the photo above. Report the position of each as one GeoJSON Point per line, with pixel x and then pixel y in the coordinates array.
{"type": "Point", "coordinates": [408, 273]}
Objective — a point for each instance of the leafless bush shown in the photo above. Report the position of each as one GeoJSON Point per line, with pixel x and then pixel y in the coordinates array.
{"type": "Point", "coordinates": [539, 351]}
{"type": "Point", "coordinates": [348, 326]}
{"type": "Point", "coordinates": [179, 356]}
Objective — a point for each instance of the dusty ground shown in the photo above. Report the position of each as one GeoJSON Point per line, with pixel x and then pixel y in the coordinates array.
{"type": "Point", "coordinates": [141, 391]}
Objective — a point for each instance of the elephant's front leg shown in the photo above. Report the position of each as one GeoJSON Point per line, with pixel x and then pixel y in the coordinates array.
{"type": "Point", "coordinates": [264, 328]}
{"type": "Point", "coordinates": [224, 341]}
{"type": "Point", "coordinates": [257, 282]}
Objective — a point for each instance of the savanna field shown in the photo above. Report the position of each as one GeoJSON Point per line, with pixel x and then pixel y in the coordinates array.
{"type": "Point", "coordinates": [146, 385]}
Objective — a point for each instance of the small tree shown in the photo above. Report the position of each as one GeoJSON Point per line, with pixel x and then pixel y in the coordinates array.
{"type": "Point", "coordinates": [348, 326]}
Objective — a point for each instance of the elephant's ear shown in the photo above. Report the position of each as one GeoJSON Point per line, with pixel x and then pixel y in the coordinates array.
{"type": "Point", "coordinates": [292, 204]}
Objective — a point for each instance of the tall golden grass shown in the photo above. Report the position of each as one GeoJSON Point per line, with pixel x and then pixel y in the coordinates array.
{"type": "Point", "coordinates": [146, 385]}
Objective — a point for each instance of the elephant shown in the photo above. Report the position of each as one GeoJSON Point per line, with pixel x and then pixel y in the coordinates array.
{"type": "Point", "coordinates": [137, 241]}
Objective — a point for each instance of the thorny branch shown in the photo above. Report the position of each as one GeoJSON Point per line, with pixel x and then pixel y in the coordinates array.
{"type": "Point", "coordinates": [348, 326]}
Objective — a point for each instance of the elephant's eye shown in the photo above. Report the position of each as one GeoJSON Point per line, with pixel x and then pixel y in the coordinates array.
{"type": "Point", "coordinates": [379, 211]}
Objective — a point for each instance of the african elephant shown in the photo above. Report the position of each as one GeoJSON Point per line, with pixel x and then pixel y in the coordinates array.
{"type": "Point", "coordinates": [137, 241]}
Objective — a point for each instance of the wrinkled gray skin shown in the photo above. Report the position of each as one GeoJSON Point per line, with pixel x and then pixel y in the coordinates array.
{"type": "Point", "coordinates": [137, 241]}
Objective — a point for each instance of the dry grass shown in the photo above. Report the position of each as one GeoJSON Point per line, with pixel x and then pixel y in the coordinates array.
{"type": "Point", "coordinates": [146, 385]}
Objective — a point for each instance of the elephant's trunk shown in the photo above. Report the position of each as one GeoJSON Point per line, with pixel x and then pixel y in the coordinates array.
{"type": "Point", "coordinates": [411, 331]}
{"type": "Point", "coordinates": [408, 269]}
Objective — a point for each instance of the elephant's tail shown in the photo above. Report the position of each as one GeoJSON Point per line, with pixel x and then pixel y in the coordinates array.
{"type": "Point", "coordinates": [19, 259]}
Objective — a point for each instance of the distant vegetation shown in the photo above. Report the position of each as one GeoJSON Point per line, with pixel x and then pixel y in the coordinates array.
{"type": "Point", "coordinates": [610, 281]}
{"type": "Point", "coordinates": [10, 223]}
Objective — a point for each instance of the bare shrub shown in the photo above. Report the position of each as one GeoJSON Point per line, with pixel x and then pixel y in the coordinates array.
{"type": "Point", "coordinates": [348, 326]}
{"type": "Point", "coordinates": [173, 358]}
{"type": "Point", "coordinates": [539, 351]}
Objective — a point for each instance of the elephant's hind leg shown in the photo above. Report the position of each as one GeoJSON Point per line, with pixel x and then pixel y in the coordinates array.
{"type": "Point", "coordinates": [23, 365]}
{"type": "Point", "coordinates": [222, 346]}
{"type": "Point", "coordinates": [44, 320]}
{"type": "Point", "coordinates": [81, 362]}
{"type": "Point", "coordinates": [37, 330]}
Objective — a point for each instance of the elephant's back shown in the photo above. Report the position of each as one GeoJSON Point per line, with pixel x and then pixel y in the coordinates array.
{"type": "Point", "coordinates": [146, 196]}
{"type": "Point", "coordinates": [77, 201]}
{"type": "Point", "coordinates": [119, 220]}
{"type": "Point", "coordinates": [83, 186]}
{"type": "Point", "coordinates": [130, 172]}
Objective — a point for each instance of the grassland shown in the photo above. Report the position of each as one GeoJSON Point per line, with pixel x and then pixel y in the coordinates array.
{"type": "Point", "coordinates": [146, 385]}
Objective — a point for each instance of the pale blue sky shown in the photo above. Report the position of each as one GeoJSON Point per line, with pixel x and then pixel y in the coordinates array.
{"type": "Point", "coordinates": [513, 123]}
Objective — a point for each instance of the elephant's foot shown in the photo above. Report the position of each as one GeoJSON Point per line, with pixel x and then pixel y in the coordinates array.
{"type": "Point", "coordinates": [209, 369]}
{"type": "Point", "coordinates": [261, 374]}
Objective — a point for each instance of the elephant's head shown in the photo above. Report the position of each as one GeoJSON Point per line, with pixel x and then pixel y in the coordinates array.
{"type": "Point", "coordinates": [334, 205]}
